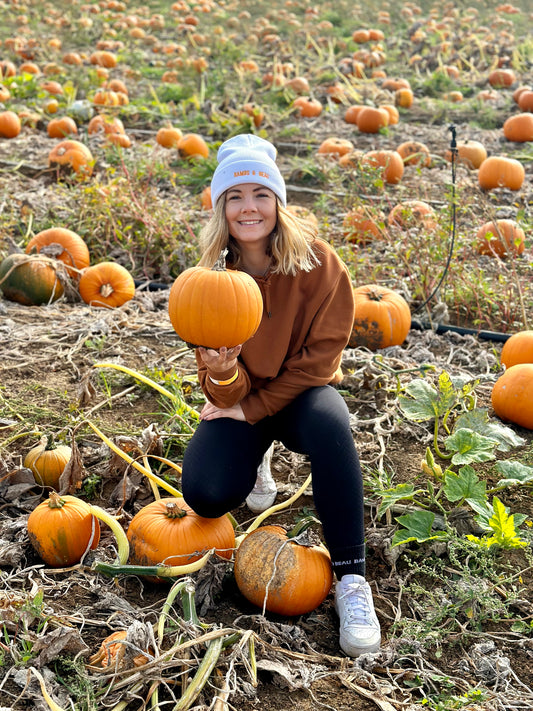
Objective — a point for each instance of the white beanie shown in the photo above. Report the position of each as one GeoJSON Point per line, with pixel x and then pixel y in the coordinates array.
{"type": "Point", "coordinates": [247, 159]}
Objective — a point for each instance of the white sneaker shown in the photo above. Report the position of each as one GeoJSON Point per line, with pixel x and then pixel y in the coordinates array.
{"type": "Point", "coordinates": [360, 631]}
{"type": "Point", "coordinates": [264, 492]}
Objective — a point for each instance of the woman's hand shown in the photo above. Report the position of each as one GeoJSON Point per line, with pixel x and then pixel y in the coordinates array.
{"type": "Point", "coordinates": [212, 412]}
{"type": "Point", "coordinates": [223, 359]}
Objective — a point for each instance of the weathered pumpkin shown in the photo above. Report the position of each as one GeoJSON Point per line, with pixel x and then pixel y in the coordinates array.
{"type": "Point", "coordinates": [335, 146]}
{"type": "Point", "coordinates": [382, 318]}
{"type": "Point", "coordinates": [192, 146]}
{"type": "Point", "coordinates": [62, 244]}
{"type": "Point", "coordinates": [389, 163]}
{"type": "Point", "coordinates": [61, 127]}
{"type": "Point", "coordinates": [106, 285]}
{"type": "Point", "coordinates": [307, 107]}
{"type": "Point", "coordinates": [72, 155]}
{"type": "Point", "coordinates": [500, 238]}
{"type": "Point", "coordinates": [215, 307]}
{"type": "Point", "coordinates": [29, 280]}
{"type": "Point", "coordinates": [414, 153]}
{"type": "Point", "coordinates": [167, 531]}
{"type": "Point", "coordinates": [359, 226]}
{"type": "Point", "coordinates": [512, 395]}
{"type": "Point", "coordinates": [62, 529]}
{"type": "Point", "coordinates": [518, 348]}
{"type": "Point", "coordinates": [275, 571]}
{"type": "Point", "coordinates": [469, 153]}
{"type": "Point", "coordinates": [48, 461]}
{"type": "Point", "coordinates": [501, 172]}
{"type": "Point", "coordinates": [412, 213]}
{"type": "Point", "coordinates": [371, 119]}
{"type": "Point", "coordinates": [168, 136]}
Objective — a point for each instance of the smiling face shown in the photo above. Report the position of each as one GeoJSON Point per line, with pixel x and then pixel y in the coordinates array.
{"type": "Point", "coordinates": [251, 212]}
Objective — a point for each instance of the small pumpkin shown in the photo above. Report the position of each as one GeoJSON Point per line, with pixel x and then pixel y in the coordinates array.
{"type": "Point", "coordinates": [335, 146]}
{"type": "Point", "coordinates": [469, 153]}
{"type": "Point", "coordinates": [272, 569]}
{"type": "Point", "coordinates": [62, 529]}
{"type": "Point", "coordinates": [500, 78]}
{"type": "Point", "coordinates": [371, 119]}
{"type": "Point", "coordinates": [519, 128]}
{"type": "Point", "coordinates": [307, 107]}
{"type": "Point", "coordinates": [501, 172]}
{"type": "Point", "coordinates": [48, 462]}
{"type": "Point", "coordinates": [512, 395]}
{"type": "Point", "coordinates": [61, 127]}
{"type": "Point", "coordinates": [29, 280]}
{"type": "Point", "coordinates": [415, 153]}
{"type": "Point", "coordinates": [72, 155]}
{"type": "Point", "coordinates": [254, 112]}
{"type": "Point", "coordinates": [101, 123]}
{"type": "Point", "coordinates": [215, 307]}
{"type": "Point", "coordinates": [106, 285]}
{"type": "Point", "coordinates": [112, 653]}
{"type": "Point", "coordinates": [389, 163]}
{"type": "Point", "coordinates": [382, 318]}
{"type": "Point", "coordinates": [168, 136]}
{"type": "Point", "coordinates": [412, 213]}
{"type": "Point", "coordinates": [360, 226]}
{"type": "Point", "coordinates": [62, 244]}
{"type": "Point", "coordinates": [518, 348]}
{"type": "Point", "coordinates": [10, 125]}
{"type": "Point", "coordinates": [352, 112]}
{"type": "Point", "coordinates": [167, 531]}
{"type": "Point", "coordinates": [192, 146]}
{"type": "Point", "coordinates": [500, 238]}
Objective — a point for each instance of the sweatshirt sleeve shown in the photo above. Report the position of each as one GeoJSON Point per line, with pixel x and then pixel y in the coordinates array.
{"type": "Point", "coordinates": [317, 362]}
{"type": "Point", "coordinates": [223, 395]}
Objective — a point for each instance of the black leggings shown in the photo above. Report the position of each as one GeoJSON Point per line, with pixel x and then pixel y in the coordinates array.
{"type": "Point", "coordinates": [220, 467]}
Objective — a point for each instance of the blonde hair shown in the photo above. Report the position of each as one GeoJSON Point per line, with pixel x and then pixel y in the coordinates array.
{"type": "Point", "coordinates": [291, 241]}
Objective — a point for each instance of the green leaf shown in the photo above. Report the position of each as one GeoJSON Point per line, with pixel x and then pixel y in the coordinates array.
{"type": "Point", "coordinates": [391, 496]}
{"type": "Point", "coordinates": [421, 402]}
{"type": "Point", "coordinates": [464, 485]}
{"type": "Point", "coordinates": [417, 527]}
{"type": "Point", "coordinates": [515, 473]}
{"type": "Point", "coordinates": [470, 447]}
{"type": "Point", "coordinates": [447, 393]}
{"type": "Point", "coordinates": [478, 420]}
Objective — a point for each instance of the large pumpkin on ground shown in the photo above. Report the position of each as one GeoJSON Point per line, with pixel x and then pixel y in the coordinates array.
{"type": "Point", "coordinates": [294, 578]}
{"type": "Point", "coordinates": [62, 528]}
{"type": "Point", "coordinates": [499, 238]}
{"type": "Point", "coordinates": [28, 280]}
{"type": "Point", "coordinates": [63, 244]}
{"type": "Point", "coordinates": [501, 172]}
{"type": "Point", "coordinates": [518, 348]}
{"type": "Point", "coordinates": [215, 307]}
{"type": "Point", "coordinates": [512, 395]}
{"type": "Point", "coordinates": [169, 532]}
{"type": "Point", "coordinates": [382, 318]}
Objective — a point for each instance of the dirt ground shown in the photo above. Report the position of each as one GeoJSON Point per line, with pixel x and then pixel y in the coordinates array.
{"type": "Point", "coordinates": [45, 359]}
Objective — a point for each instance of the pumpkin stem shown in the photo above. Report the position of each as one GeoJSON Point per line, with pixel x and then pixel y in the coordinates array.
{"type": "Point", "coordinates": [374, 295]}
{"type": "Point", "coordinates": [302, 526]}
{"type": "Point", "coordinates": [220, 264]}
{"type": "Point", "coordinates": [55, 501]}
{"type": "Point", "coordinates": [106, 290]}
{"type": "Point", "coordinates": [174, 511]}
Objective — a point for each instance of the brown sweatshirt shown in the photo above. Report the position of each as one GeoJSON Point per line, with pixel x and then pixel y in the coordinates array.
{"type": "Point", "coordinates": [307, 321]}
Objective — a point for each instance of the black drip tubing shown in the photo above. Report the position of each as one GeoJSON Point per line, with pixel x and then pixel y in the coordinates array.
{"type": "Point", "coordinates": [150, 285]}
{"type": "Point", "coordinates": [443, 328]}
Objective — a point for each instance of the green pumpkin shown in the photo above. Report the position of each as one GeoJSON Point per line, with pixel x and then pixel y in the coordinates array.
{"type": "Point", "coordinates": [29, 280]}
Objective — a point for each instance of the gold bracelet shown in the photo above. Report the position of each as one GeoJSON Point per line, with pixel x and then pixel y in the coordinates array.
{"type": "Point", "coordinates": [226, 382]}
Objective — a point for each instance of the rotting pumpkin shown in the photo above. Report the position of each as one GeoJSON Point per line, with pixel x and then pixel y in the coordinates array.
{"type": "Point", "coordinates": [215, 307]}
{"type": "Point", "coordinates": [30, 280]}
{"type": "Point", "coordinates": [62, 244]}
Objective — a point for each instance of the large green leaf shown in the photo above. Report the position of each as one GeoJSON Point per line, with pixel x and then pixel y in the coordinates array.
{"type": "Point", "coordinates": [464, 485]}
{"type": "Point", "coordinates": [478, 421]}
{"type": "Point", "coordinates": [470, 447]}
{"type": "Point", "coordinates": [417, 526]}
{"type": "Point", "coordinates": [515, 473]}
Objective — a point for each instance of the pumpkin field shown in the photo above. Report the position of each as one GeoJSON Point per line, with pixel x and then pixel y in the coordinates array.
{"type": "Point", "coordinates": [404, 133]}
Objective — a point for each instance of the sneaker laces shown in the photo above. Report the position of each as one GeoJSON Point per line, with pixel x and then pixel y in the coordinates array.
{"type": "Point", "coordinates": [356, 605]}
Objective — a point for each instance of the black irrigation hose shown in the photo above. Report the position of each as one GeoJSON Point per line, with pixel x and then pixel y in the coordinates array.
{"type": "Point", "coordinates": [453, 149]}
